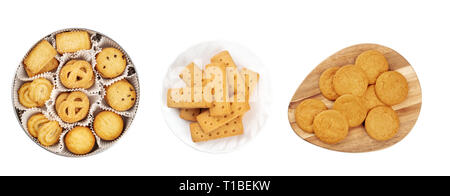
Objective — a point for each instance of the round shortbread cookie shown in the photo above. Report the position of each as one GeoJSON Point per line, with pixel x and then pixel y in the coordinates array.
{"type": "Point", "coordinates": [330, 126]}
{"type": "Point", "coordinates": [121, 95]}
{"type": "Point", "coordinates": [108, 125]}
{"type": "Point", "coordinates": [111, 62]}
{"type": "Point", "coordinates": [35, 122]}
{"type": "Point", "coordinates": [350, 79]}
{"type": "Point", "coordinates": [370, 98]}
{"type": "Point", "coordinates": [382, 123]}
{"type": "Point", "coordinates": [80, 140]}
{"type": "Point", "coordinates": [326, 83]}
{"type": "Point", "coordinates": [352, 108]}
{"type": "Point", "coordinates": [306, 111]}
{"type": "Point", "coordinates": [77, 74]}
{"type": "Point", "coordinates": [391, 88]}
{"type": "Point", "coordinates": [48, 133]}
{"type": "Point", "coordinates": [373, 63]}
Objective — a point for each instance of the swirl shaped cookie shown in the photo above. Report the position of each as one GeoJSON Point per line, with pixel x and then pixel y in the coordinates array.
{"type": "Point", "coordinates": [35, 122]}
{"type": "Point", "coordinates": [121, 95]}
{"type": "Point", "coordinates": [24, 96]}
{"type": "Point", "coordinates": [49, 133]}
{"type": "Point", "coordinates": [72, 107]}
{"type": "Point", "coordinates": [40, 90]}
{"type": "Point", "coordinates": [77, 74]}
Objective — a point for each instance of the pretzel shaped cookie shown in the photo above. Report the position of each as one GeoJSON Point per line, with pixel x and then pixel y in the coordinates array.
{"type": "Point", "coordinates": [72, 107]}
{"type": "Point", "coordinates": [77, 74]}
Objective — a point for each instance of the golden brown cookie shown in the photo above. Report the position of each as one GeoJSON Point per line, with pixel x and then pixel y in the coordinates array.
{"type": "Point", "coordinates": [350, 79]}
{"type": "Point", "coordinates": [223, 58]}
{"type": "Point", "coordinates": [306, 111]}
{"type": "Point", "coordinates": [330, 126]}
{"type": "Point", "coordinates": [79, 140]}
{"type": "Point", "coordinates": [72, 107]}
{"type": "Point", "coordinates": [121, 95]}
{"type": "Point", "coordinates": [111, 62]}
{"type": "Point", "coordinates": [382, 123]}
{"type": "Point", "coordinates": [77, 74]}
{"type": "Point", "coordinates": [48, 133]}
{"type": "Point", "coordinates": [190, 114]}
{"type": "Point", "coordinates": [35, 122]}
{"type": "Point", "coordinates": [108, 125]}
{"type": "Point", "coordinates": [391, 88]}
{"type": "Point", "coordinates": [370, 99]}
{"type": "Point", "coordinates": [373, 63]}
{"type": "Point", "coordinates": [40, 90]}
{"type": "Point", "coordinates": [40, 59]}
{"type": "Point", "coordinates": [24, 96]}
{"type": "Point", "coordinates": [352, 108]}
{"type": "Point", "coordinates": [72, 41]}
{"type": "Point", "coordinates": [326, 83]}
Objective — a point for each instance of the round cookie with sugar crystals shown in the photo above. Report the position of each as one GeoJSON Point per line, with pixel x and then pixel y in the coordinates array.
{"type": "Point", "coordinates": [330, 126]}
{"type": "Point", "coordinates": [120, 95]}
{"type": "Point", "coordinates": [352, 108]}
{"type": "Point", "coordinates": [111, 62]}
{"type": "Point", "coordinates": [382, 123]}
{"type": "Point", "coordinates": [306, 111]}
{"type": "Point", "coordinates": [326, 83]}
{"type": "Point", "coordinates": [108, 125]}
{"type": "Point", "coordinates": [391, 88]}
{"type": "Point", "coordinates": [350, 79]}
{"type": "Point", "coordinates": [79, 140]}
{"type": "Point", "coordinates": [373, 63]}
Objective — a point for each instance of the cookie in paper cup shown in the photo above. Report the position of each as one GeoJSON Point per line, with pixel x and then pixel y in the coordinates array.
{"type": "Point", "coordinates": [40, 115]}
{"type": "Point", "coordinates": [222, 125]}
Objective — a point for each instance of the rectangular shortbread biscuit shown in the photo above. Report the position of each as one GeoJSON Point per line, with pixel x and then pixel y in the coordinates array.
{"type": "Point", "coordinates": [72, 41]}
{"type": "Point", "coordinates": [40, 56]}
{"type": "Point", "coordinates": [232, 128]}
{"type": "Point", "coordinates": [209, 123]}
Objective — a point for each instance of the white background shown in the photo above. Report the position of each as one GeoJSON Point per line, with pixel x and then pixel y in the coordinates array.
{"type": "Point", "coordinates": [290, 37]}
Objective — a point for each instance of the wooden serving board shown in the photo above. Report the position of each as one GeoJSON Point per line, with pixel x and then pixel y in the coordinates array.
{"type": "Point", "coordinates": [357, 139]}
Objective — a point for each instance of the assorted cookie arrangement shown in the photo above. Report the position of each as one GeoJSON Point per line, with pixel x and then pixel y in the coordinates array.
{"type": "Point", "coordinates": [76, 92]}
{"type": "Point", "coordinates": [214, 99]}
{"type": "Point", "coordinates": [363, 94]}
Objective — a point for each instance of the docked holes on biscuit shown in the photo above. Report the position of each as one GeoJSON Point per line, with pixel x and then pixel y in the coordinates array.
{"type": "Point", "coordinates": [236, 85]}
{"type": "Point", "coordinates": [217, 86]}
{"type": "Point", "coordinates": [251, 81]}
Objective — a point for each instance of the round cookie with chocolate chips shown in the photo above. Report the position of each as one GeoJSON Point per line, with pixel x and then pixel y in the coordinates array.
{"type": "Point", "coordinates": [350, 79]}
{"type": "Point", "coordinates": [382, 123]}
{"type": "Point", "coordinates": [373, 63]}
{"type": "Point", "coordinates": [306, 111]}
{"type": "Point", "coordinates": [391, 88]}
{"type": "Point", "coordinates": [330, 126]}
{"type": "Point", "coordinates": [326, 83]}
{"type": "Point", "coordinates": [111, 62]}
{"type": "Point", "coordinates": [120, 95]}
{"type": "Point", "coordinates": [352, 107]}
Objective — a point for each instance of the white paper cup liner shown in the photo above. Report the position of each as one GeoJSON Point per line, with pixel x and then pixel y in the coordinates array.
{"type": "Point", "coordinates": [260, 101]}
{"type": "Point", "coordinates": [95, 93]}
